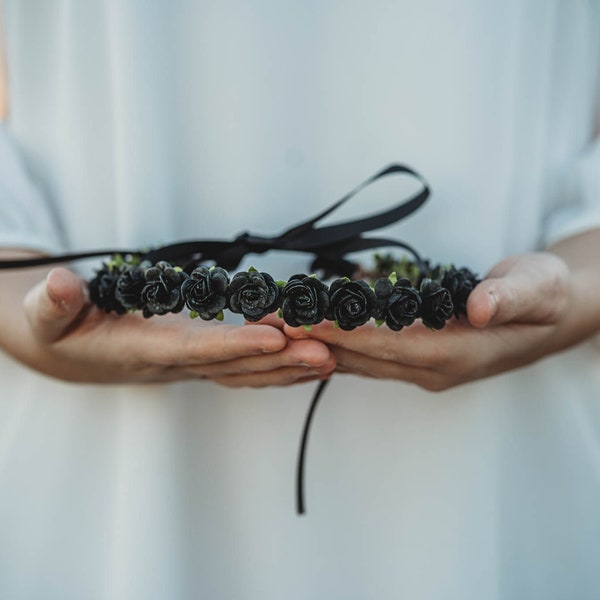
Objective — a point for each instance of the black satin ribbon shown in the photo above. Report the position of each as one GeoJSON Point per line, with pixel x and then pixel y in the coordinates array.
{"type": "Point", "coordinates": [303, 445]}
{"type": "Point", "coordinates": [329, 244]}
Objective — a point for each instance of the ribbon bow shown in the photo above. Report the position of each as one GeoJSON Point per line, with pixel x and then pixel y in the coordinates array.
{"type": "Point", "coordinates": [329, 244]}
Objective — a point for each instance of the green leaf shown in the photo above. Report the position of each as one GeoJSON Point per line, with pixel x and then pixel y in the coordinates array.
{"type": "Point", "coordinates": [280, 313]}
{"type": "Point", "coordinates": [336, 325]}
{"type": "Point", "coordinates": [193, 314]}
{"type": "Point", "coordinates": [314, 275]}
{"type": "Point", "coordinates": [116, 262]}
{"type": "Point", "coordinates": [307, 328]}
{"type": "Point", "coordinates": [379, 322]}
{"type": "Point", "coordinates": [132, 259]}
{"type": "Point", "coordinates": [280, 283]}
{"type": "Point", "coordinates": [220, 316]}
{"type": "Point", "coordinates": [252, 270]}
{"type": "Point", "coordinates": [393, 278]}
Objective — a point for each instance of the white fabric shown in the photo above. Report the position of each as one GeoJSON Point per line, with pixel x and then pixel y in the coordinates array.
{"type": "Point", "coordinates": [148, 122]}
{"type": "Point", "coordinates": [26, 218]}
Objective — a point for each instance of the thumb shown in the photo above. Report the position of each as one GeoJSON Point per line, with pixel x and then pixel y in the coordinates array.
{"type": "Point", "coordinates": [53, 305]}
{"type": "Point", "coordinates": [524, 289]}
{"type": "Point", "coordinates": [490, 303]}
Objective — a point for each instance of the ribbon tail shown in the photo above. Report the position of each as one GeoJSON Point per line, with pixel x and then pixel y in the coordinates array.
{"type": "Point", "coordinates": [61, 258]}
{"type": "Point", "coordinates": [308, 226]}
{"type": "Point", "coordinates": [300, 506]}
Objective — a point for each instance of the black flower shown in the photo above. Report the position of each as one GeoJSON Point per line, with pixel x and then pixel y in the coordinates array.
{"type": "Point", "coordinates": [102, 290]}
{"type": "Point", "coordinates": [253, 294]}
{"type": "Point", "coordinates": [398, 303]}
{"type": "Point", "coordinates": [460, 284]}
{"type": "Point", "coordinates": [205, 292]}
{"type": "Point", "coordinates": [304, 301]}
{"type": "Point", "coordinates": [162, 292]}
{"type": "Point", "coordinates": [351, 303]}
{"type": "Point", "coordinates": [130, 285]}
{"type": "Point", "coordinates": [437, 305]}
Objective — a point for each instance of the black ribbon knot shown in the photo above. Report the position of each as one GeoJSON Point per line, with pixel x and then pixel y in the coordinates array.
{"type": "Point", "coordinates": [328, 244]}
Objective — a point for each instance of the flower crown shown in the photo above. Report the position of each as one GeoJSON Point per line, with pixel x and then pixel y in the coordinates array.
{"type": "Point", "coordinates": [411, 291]}
{"type": "Point", "coordinates": [167, 279]}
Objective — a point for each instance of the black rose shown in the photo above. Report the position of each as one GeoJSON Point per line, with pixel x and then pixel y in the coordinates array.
{"type": "Point", "coordinates": [460, 283]}
{"type": "Point", "coordinates": [253, 294]}
{"type": "Point", "coordinates": [399, 304]}
{"type": "Point", "coordinates": [129, 287]}
{"type": "Point", "coordinates": [162, 292]}
{"type": "Point", "coordinates": [205, 292]}
{"type": "Point", "coordinates": [304, 301]}
{"type": "Point", "coordinates": [436, 306]}
{"type": "Point", "coordinates": [351, 303]}
{"type": "Point", "coordinates": [102, 290]}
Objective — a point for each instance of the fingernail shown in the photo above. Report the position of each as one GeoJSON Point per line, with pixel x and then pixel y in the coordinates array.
{"type": "Point", "coordinates": [269, 350]}
{"type": "Point", "coordinates": [312, 366]}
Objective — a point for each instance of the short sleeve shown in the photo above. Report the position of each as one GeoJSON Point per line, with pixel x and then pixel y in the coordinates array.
{"type": "Point", "coordinates": [26, 217]}
{"type": "Point", "coordinates": [581, 211]}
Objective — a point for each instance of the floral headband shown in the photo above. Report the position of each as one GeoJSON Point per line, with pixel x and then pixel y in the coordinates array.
{"type": "Point", "coordinates": [434, 295]}
{"type": "Point", "coordinates": [194, 274]}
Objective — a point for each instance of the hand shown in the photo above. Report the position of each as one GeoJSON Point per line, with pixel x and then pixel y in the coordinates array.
{"type": "Point", "coordinates": [65, 336]}
{"type": "Point", "coordinates": [525, 309]}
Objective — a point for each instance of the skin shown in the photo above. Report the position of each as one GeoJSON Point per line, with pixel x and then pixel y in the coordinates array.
{"type": "Point", "coordinates": [528, 307]}
{"type": "Point", "coordinates": [50, 325]}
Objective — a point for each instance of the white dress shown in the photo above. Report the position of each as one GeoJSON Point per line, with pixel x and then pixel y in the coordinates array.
{"type": "Point", "coordinates": [140, 123]}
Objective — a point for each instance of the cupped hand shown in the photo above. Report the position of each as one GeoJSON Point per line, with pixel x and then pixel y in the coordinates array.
{"type": "Point", "coordinates": [522, 311]}
{"type": "Point", "coordinates": [69, 338]}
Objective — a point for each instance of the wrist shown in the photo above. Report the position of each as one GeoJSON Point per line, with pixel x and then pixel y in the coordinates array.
{"type": "Point", "coordinates": [582, 317]}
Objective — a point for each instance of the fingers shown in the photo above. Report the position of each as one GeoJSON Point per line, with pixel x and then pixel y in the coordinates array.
{"type": "Point", "coordinates": [279, 377]}
{"type": "Point", "coordinates": [308, 357]}
{"type": "Point", "coordinates": [55, 304]}
{"type": "Point", "coordinates": [482, 305]}
{"type": "Point", "coordinates": [349, 361]}
{"type": "Point", "coordinates": [299, 361]}
{"type": "Point", "coordinates": [188, 343]}
{"type": "Point", "coordinates": [414, 345]}
{"type": "Point", "coordinates": [433, 360]}
{"type": "Point", "coordinates": [525, 289]}
{"type": "Point", "coordinates": [273, 320]}
{"type": "Point", "coordinates": [327, 332]}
